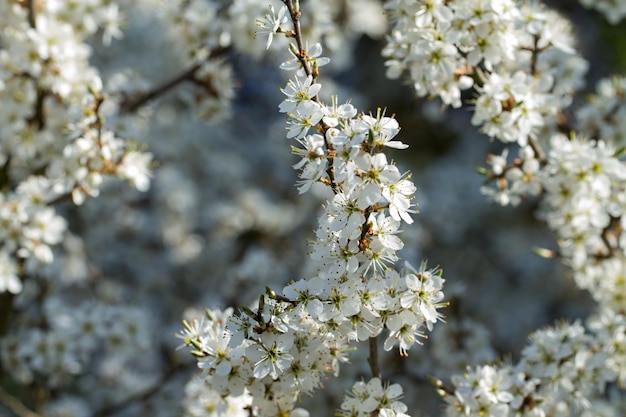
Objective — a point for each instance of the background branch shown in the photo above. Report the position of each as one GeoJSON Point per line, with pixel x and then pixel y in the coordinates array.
{"type": "Point", "coordinates": [15, 405]}
{"type": "Point", "coordinates": [32, 21]}
{"type": "Point", "coordinates": [130, 106]}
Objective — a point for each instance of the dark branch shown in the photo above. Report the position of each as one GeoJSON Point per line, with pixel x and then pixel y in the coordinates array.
{"type": "Point", "coordinates": [15, 405]}
{"type": "Point", "coordinates": [301, 55]}
{"type": "Point", "coordinates": [30, 4]}
{"type": "Point", "coordinates": [539, 152]}
{"type": "Point", "coordinates": [130, 106]}
{"type": "Point", "coordinates": [373, 358]}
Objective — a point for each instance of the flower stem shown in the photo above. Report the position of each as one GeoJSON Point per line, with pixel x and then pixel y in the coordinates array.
{"type": "Point", "coordinates": [30, 4]}
{"type": "Point", "coordinates": [373, 358]}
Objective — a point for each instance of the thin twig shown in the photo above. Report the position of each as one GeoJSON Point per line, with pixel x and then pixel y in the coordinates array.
{"type": "Point", "coordinates": [539, 152]}
{"type": "Point", "coordinates": [32, 21]}
{"type": "Point", "coordinates": [613, 228]}
{"type": "Point", "coordinates": [63, 198]}
{"type": "Point", "coordinates": [373, 358]}
{"type": "Point", "coordinates": [38, 119]}
{"type": "Point", "coordinates": [301, 55]}
{"type": "Point", "coordinates": [187, 75]}
{"type": "Point", "coordinates": [15, 405]}
{"type": "Point", "coordinates": [420, 379]}
{"type": "Point", "coordinates": [6, 308]}
{"type": "Point", "coordinates": [130, 106]}
{"type": "Point", "coordinates": [534, 56]}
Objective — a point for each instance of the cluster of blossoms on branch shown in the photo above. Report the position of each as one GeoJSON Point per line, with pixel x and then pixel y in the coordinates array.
{"type": "Point", "coordinates": [71, 111]}
{"type": "Point", "coordinates": [76, 334]}
{"type": "Point", "coordinates": [604, 114]}
{"type": "Point", "coordinates": [563, 371]}
{"type": "Point", "coordinates": [520, 59]}
{"type": "Point", "coordinates": [367, 398]}
{"type": "Point", "coordinates": [56, 148]}
{"type": "Point", "coordinates": [281, 349]}
{"type": "Point", "coordinates": [53, 143]}
{"type": "Point", "coordinates": [519, 56]}
{"type": "Point", "coordinates": [585, 195]}
{"type": "Point", "coordinates": [62, 136]}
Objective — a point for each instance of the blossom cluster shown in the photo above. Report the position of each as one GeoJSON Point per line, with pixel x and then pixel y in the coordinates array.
{"type": "Point", "coordinates": [564, 371]}
{"type": "Point", "coordinates": [290, 340]}
{"type": "Point", "coordinates": [373, 397]}
{"type": "Point", "coordinates": [519, 57]}
{"type": "Point", "coordinates": [91, 289]}
{"type": "Point", "coordinates": [585, 192]}
{"type": "Point", "coordinates": [513, 181]}
{"type": "Point", "coordinates": [29, 227]}
{"type": "Point", "coordinates": [603, 115]}
{"type": "Point", "coordinates": [74, 337]}
{"type": "Point", "coordinates": [521, 61]}
{"type": "Point", "coordinates": [72, 107]}
{"type": "Point", "coordinates": [53, 143]}
{"type": "Point", "coordinates": [286, 344]}
{"type": "Point", "coordinates": [200, 401]}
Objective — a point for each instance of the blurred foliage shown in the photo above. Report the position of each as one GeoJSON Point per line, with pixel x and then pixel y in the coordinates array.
{"type": "Point", "coordinates": [613, 38]}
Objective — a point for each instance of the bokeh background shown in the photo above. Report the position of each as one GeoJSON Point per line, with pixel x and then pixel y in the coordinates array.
{"type": "Point", "coordinates": [223, 219]}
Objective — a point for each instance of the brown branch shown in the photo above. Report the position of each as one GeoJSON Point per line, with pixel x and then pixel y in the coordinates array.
{"type": "Point", "coordinates": [539, 152]}
{"type": "Point", "coordinates": [6, 308]}
{"type": "Point", "coordinates": [32, 21]}
{"type": "Point", "coordinates": [207, 84]}
{"type": "Point", "coordinates": [301, 54]}
{"type": "Point", "coordinates": [613, 229]}
{"type": "Point", "coordinates": [130, 106]}
{"type": "Point", "coordinates": [63, 198]}
{"type": "Point", "coordinates": [534, 56]}
{"type": "Point", "coordinates": [373, 357]}
{"type": "Point", "coordinates": [331, 154]}
{"type": "Point", "coordinates": [38, 119]}
{"type": "Point", "coordinates": [15, 405]}
{"type": "Point", "coordinates": [366, 230]}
